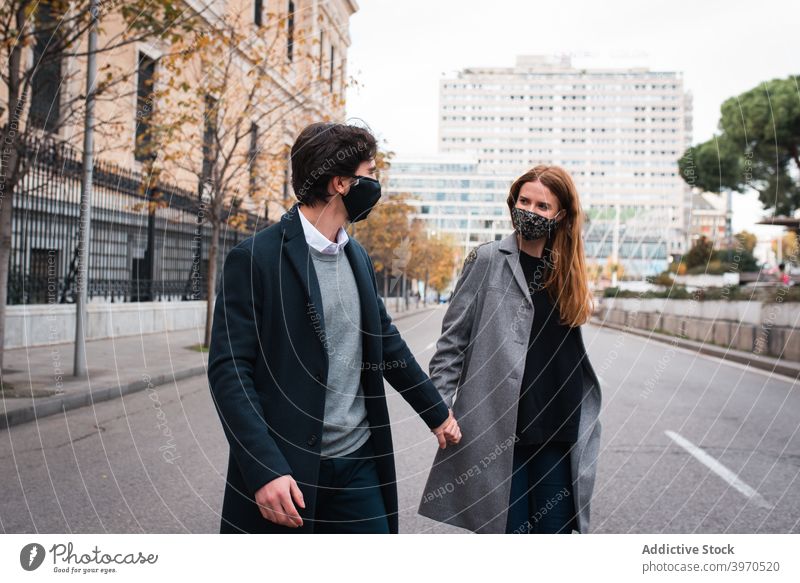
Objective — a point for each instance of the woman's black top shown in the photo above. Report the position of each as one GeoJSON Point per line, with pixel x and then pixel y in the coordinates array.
{"type": "Point", "coordinates": [552, 384]}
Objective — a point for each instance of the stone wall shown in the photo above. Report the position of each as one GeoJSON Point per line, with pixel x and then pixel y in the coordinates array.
{"type": "Point", "coordinates": [757, 327]}
{"type": "Point", "coordinates": [36, 325]}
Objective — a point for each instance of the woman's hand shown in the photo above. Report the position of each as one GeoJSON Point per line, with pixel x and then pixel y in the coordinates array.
{"type": "Point", "coordinates": [448, 432]}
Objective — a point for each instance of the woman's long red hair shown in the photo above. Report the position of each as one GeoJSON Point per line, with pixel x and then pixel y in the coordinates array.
{"type": "Point", "coordinates": [567, 281]}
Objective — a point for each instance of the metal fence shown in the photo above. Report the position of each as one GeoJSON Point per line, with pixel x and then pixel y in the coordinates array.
{"type": "Point", "coordinates": [134, 255]}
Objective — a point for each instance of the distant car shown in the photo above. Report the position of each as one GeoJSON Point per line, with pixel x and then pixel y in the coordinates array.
{"type": "Point", "coordinates": [638, 286]}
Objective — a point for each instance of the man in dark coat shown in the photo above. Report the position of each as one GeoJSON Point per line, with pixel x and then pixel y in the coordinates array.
{"type": "Point", "coordinates": [300, 346]}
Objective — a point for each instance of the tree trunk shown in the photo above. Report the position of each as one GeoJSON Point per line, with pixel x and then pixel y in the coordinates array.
{"type": "Point", "coordinates": [5, 252]}
{"type": "Point", "coordinates": [9, 167]}
{"type": "Point", "coordinates": [213, 250]}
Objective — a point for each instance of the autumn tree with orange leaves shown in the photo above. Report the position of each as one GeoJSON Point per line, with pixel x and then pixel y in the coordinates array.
{"type": "Point", "coordinates": [400, 247]}
{"type": "Point", "coordinates": [220, 120]}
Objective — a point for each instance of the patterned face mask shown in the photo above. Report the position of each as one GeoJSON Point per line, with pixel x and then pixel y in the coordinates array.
{"type": "Point", "coordinates": [532, 225]}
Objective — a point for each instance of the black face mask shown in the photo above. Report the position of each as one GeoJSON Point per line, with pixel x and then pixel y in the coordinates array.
{"type": "Point", "coordinates": [361, 198]}
{"type": "Point", "coordinates": [532, 225]}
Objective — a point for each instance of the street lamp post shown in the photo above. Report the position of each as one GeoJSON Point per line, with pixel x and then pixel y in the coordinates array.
{"type": "Point", "coordinates": [84, 235]}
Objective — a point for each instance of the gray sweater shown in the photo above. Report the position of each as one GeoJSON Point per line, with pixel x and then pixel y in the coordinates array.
{"type": "Point", "coordinates": [345, 427]}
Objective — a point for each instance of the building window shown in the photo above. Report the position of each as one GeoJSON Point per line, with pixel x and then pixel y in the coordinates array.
{"type": "Point", "coordinates": [286, 177]}
{"type": "Point", "coordinates": [321, 50]}
{"type": "Point", "coordinates": [331, 71]}
{"type": "Point", "coordinates": [146, 69]}
{"type": "Point", "coordinates": [46, 82]}
{"type": "Point", "coordinates": [258, 10]}
{"type": "Point", "coordinates": [290, 32]}
{"type": "Point", "coordinates": [209, 138]}
{"type": "Point", "coordinates": [253, 157]}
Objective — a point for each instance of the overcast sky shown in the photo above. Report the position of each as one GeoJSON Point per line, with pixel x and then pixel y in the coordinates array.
{"type": "Point", "coordinates": [401, 48]}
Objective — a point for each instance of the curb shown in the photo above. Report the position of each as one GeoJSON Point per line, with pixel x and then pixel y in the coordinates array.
{"type": "Point", "coordinates": [47, 406]}
{"type": "Point", "coordinates": [52, 405]}
{"type": "Point", "coordinates": [775, 365]}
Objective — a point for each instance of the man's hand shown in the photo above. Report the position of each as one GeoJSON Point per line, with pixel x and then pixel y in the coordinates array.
{"type": "Point", "coordinates": [448, 432]}
{"type": "Point", "coordinates": [274, 499]}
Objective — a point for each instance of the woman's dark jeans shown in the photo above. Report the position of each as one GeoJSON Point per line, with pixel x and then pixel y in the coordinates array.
{"type": "Point", "coordinates": [541, 498]}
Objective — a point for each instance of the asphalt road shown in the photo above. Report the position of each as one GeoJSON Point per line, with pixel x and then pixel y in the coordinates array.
{"type": "Point", "coordinates": [690, 445]}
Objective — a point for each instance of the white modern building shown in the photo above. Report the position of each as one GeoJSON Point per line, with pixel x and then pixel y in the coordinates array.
{"type": "Point", "coordinates": [619, 132]}
{"type": "Point", "coordinates": [454, 197]}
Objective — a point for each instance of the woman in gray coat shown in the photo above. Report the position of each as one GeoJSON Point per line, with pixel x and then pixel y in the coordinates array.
{"type": "Point", "coordinates": [512, 364]}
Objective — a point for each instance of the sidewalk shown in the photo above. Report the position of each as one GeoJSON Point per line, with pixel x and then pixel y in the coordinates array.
{"type": "Point", "coordinates": [43, 385]}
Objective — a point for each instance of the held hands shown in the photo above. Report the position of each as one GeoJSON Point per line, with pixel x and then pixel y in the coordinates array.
{"type": "Point", "coordinates": [274, 500]}
{"type": "Point", "coordinates": [448, 432]}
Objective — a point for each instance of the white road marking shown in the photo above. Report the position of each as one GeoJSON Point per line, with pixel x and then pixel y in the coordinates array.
{"type": "Point", "coordinates": [716, 467]}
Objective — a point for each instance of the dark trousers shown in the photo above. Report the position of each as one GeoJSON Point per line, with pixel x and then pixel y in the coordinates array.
{"type": "Point", "coordinates": [541, 498]}
{"type": "Point", "coordinates": [349, 498]}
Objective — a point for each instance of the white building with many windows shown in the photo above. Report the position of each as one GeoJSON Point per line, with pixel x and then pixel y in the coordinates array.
{"type": "Point", "coordinates": [454, 197]}
{"type": "Point", "coordinates": [619, 132]}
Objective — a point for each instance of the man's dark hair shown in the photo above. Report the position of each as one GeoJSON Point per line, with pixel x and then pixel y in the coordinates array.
{"type": "Point", "coordinates": [324, 150]}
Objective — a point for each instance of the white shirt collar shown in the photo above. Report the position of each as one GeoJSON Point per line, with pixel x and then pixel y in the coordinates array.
{"type": "Point", "coordinates": [320, 242]}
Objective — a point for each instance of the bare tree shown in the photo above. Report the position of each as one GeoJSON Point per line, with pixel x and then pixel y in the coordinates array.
{"type": "Point", "coordinates": [226, 104]}
{"type": "Point", "coordinates": [38, 40]}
